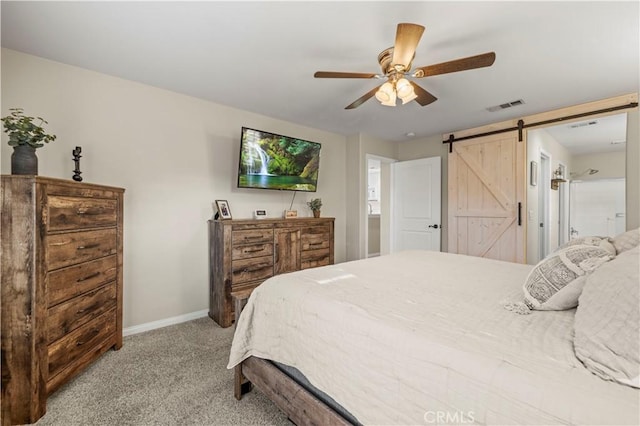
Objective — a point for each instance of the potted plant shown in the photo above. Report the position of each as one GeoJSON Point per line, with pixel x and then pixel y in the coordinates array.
{"type": "Point", "coordinates": [25, 136]}
{"type": "Point", "coordinates": [315, 204]}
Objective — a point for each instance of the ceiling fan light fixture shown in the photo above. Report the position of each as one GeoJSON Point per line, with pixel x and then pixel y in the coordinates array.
{"type": "Point", "coordinates": [386, 93]}
{"type": "Point", "coordinates": [391, 101]}
{"type": "Point", "coordinates": [411, 96]}
{"type": "Point", "coordinates": [396, 63]}
{"type": "Point", "coordinates": [403, 88]}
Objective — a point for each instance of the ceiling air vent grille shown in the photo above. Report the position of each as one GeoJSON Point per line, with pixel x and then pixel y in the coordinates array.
{"type": "Point", "coordinates": [505, 105]}
{"type": "Point", "coordinates": [583, 124]}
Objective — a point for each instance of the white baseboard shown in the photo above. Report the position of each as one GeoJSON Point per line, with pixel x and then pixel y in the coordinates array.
{"type": "Point", "coordinates": [164, 322]}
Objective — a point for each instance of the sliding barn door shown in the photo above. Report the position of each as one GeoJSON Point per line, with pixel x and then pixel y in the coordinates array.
{"type": "Point", "coordinates": [486, 197]}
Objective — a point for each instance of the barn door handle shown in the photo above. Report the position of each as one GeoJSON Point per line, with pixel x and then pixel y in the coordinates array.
{"type": "Point", "coordinates": [519, 214]}
{"type": "Point", "coordinates": [436, 226]}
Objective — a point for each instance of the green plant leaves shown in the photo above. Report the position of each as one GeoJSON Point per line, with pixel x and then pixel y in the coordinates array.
{"type": "Point", "coordinates": [23, 131]}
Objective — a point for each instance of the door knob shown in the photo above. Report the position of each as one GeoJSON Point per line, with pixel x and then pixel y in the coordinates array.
{"type": "Point", "coordinates": [434, 226]}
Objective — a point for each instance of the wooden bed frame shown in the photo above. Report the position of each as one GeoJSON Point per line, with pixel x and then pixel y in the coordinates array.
{"type": "Point", "coordinates": [300, 405]}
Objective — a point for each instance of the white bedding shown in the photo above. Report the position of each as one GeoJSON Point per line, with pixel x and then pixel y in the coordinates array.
{"type": "Point", "coordinates": [417, 337]}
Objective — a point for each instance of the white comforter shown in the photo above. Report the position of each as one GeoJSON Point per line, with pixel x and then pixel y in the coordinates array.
{"type": "Point", "coordinates": [423, 338]}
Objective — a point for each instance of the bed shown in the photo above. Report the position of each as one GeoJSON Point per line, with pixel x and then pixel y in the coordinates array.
{"type": "Point", "coordinates": [419, 337]}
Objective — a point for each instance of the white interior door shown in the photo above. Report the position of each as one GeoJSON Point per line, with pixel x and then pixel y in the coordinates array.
{"type": "Point", "coordinates": [416, 204]}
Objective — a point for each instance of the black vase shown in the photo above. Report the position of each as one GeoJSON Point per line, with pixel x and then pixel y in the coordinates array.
{"type": "Point", "coordinates": [24, 160]}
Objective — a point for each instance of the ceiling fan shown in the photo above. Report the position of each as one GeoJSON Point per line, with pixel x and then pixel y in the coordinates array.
{"type": "Point", "coordinates": [396, 67]}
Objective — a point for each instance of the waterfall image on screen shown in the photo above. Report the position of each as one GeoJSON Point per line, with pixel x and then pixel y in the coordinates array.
{"type": "Point", "coordinates": [272, 161]}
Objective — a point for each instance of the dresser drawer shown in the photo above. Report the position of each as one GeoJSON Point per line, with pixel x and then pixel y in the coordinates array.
{"type": "Point", "coordinates": [65, 213]}
{"type": "Point", "coordinates": [252, 236]}
{"type": "Point", "coordinates": [69, 282]}
{"type": "Point", "coordinates": [314, 258]}
{"type": "Point", "coordinates": [77, 247]}
{"type": "Point", "coordinates": [68, 316]}
{"type": "Point", "coordinates": [252, 250]}
{"type": "Point", "coordinates": [65, 351]}
{"type": "Point", "coordinates": [314, 238]}
{"type": "Point", "coordinates": [257, 268]}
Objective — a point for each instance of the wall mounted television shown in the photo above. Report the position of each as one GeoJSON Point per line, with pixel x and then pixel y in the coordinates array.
{"type": "Point", "coordinates": [273, 161]}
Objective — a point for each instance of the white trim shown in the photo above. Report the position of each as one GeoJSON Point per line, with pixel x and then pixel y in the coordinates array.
{"type": "Point", "coordinates": [164, 322]}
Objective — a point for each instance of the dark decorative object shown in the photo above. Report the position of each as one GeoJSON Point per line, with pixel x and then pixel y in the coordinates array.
{"type": "Point", "coordinates": [76, 159]}
{"type": "Point", "coordinates": [24, 160]}
{"type": "Point", "coordinates": [25, 136]}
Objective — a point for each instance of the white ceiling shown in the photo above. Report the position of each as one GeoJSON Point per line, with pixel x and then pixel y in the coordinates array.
{"type": "Point", "coordinates": [594, 135]}
{"type": "Point", "coordinates": [261, 56]}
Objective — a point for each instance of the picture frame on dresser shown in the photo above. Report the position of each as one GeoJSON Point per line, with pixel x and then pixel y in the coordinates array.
{"type": "Point", "coordinates": [224, 211]}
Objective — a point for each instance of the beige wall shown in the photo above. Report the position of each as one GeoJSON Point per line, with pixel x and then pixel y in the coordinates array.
{"type": "Point", "coordinates": [610, 165]}
{"type": "Point", "coordinates": [174, 155]}
{"type": "Point", "coordinates": [355, 197]}
{"type": "Point", "coordinates": [633, 170]}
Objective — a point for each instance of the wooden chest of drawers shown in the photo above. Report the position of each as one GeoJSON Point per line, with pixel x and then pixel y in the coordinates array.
{"type": "Point", "coordinates": [61, 286]}
{"type": "Point", "coordinates": [244, 253]}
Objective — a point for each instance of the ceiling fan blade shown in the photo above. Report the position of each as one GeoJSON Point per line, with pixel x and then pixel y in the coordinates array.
{"type": "Point", "coordinates": [332, 74]}
{"type": "Point", "coordinates": [363, 98]}
{"type": "Point", "coordinates": [472, 62]}
{"type": "Point", "coordinates": [407, 38]}
{"type": "Point", "coordinates": [424, 97]}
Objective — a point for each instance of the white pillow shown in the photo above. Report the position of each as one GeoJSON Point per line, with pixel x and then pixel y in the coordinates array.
{"type": "Point", "coordinates": [607, 321]}
{"type": "Point", "coordinates": [627, 240]}
{"type": "Point", "coordinates": [556, 282]}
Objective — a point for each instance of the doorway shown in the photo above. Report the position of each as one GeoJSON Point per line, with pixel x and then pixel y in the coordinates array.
{"type": "Point", "coordinates": [563, 219]}
{"type": "Point", "coordinates": [377, 208]}
{"type": "Point", "coordinates": [543, 205]}
{"type": "Point", "coordinates": [373, 207]}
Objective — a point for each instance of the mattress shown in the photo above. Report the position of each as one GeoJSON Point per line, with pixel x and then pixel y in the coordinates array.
{"type": "Point", "coordinates": [422, 337]}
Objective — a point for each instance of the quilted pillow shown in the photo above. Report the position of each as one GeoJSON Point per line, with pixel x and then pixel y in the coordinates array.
{"type": "Point", "coordinates": [556, 282]}
{"type": "Point", "coordinates": [602, 242]}
{"type": "Point", "coordinates": [607, 321]}
{"type": "Point", "coordinates": [627, 240]}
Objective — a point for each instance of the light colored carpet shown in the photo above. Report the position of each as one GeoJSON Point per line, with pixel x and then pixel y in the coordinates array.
{"type": "Point", "coordinates": [175, 375]}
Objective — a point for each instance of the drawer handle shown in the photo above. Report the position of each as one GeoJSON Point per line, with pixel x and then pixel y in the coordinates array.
{"type": "Point", "coordinates": [253, 269]}
{"type": "Point", "coordinates": [254, 250]}
{"type": "Point", "coordinates": [88, 277]}
{"type": "Point", "coordinates": [94, 333]}
{"type": "Point", "coordinates": [90, 246]}
{"type": "Point", "coordinates": [315, 244]}
{"type": "Point", "coordinates": [253, 237]}
{"type": "Point", "coordinates": [317, 258]}
{"type": "Point", "coordinates": [89, 211]}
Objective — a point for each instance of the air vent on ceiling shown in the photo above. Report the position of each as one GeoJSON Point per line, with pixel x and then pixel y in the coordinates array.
{"type": "Point", "coordinates": [505, 105]}
{"type": "Point", "coordinates": [583, 124]}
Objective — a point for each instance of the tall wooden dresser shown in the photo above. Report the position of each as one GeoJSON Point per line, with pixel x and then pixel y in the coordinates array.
{"type": "Point", "coordinates": [244, 253]}
{"type": "Point", "coordinates": [61, 286]}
